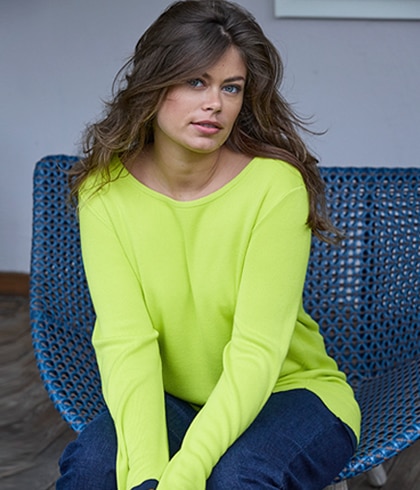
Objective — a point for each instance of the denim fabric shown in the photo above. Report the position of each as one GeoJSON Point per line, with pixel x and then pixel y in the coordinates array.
{"type": "Point", "coordinates": [147, 485]}
{"type": "Point", "coordinates": [295, 443]}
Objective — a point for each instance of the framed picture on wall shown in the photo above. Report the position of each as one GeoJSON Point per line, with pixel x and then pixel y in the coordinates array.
{"type": "Point", "coordinates": [348, 9]}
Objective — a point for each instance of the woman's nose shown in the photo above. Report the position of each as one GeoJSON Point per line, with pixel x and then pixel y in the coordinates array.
{"type": "Point", "coordinates": [213, 101]}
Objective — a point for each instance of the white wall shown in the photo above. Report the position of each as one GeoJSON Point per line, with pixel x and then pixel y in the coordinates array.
{"type": "Point", "coordinates": [359, 79]}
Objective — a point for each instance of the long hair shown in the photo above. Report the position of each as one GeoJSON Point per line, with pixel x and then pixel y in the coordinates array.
{"type": "Point", "coordinates": [186, 39]}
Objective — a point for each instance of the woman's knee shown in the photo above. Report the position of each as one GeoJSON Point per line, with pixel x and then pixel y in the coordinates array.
{"type": "Point", "coordinates": [285, 466]}
{"type": "Point", "coordinates": [89, 461]}
{"type": "Point", "coordinates": [295, 443]}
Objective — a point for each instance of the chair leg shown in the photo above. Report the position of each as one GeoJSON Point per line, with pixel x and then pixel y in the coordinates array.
{"type": "Point", "coordinates": [377, 476]}
{"type": "Point", "coordinates": [342, 485]}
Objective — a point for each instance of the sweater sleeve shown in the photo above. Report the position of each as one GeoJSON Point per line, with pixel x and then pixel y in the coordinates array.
{"type": "Point", "coordinates": [127, 351]}
{"type": "Point", "coordinates": [268, 300]}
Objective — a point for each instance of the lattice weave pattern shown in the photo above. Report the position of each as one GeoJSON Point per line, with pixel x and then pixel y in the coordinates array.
{"type": "Point", "coordinates": [61, 312]}
{"type": "Point", "coordinates": [365, 294]}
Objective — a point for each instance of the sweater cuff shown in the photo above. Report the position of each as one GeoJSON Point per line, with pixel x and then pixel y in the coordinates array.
{"type": "Point", "coordinates": [146, 485]}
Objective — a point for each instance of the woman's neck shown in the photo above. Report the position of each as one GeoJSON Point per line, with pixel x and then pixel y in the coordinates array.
{"type": "Point", "coordinates": [189, 176]}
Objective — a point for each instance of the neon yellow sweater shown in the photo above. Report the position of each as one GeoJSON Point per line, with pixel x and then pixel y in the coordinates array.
{"type": "Point", "coordinates": [201, 299]}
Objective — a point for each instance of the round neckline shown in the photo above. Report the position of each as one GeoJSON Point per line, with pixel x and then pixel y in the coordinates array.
{"type": "Point", "coordinates": [124, 172]}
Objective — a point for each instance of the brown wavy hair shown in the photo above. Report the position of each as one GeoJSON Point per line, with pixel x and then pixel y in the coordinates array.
{"type": "Point", "coordinates": [186, 39]}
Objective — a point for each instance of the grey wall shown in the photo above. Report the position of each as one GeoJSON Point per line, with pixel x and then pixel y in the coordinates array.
{"type": "Point", "coordinates": [358, 79]}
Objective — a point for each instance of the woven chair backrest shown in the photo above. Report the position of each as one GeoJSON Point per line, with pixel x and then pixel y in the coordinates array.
{"type": "Point", "coordinates": [365, 293]}
{"type": "Point", "coordinates": [62, 316]}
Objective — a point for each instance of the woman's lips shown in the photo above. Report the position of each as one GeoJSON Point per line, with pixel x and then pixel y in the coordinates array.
{"type": "Point", "coordinates": [207, 127]}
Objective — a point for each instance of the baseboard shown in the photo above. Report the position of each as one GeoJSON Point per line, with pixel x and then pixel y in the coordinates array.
{"type": "Point", "coordinates": [14, 284]}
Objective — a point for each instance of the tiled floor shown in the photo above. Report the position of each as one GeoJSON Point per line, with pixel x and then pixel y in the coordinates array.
{"type": "Point", "coordinates": [32, 434]}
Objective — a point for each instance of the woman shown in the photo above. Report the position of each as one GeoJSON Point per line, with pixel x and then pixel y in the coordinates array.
{"type": "Point", "coordinates": [197, 199]}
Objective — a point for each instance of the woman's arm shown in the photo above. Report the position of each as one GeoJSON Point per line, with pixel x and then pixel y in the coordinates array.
{"type": "Point", "coordinates": [265, 317]}
{"type": "Point", "coordinates": [127, 350]}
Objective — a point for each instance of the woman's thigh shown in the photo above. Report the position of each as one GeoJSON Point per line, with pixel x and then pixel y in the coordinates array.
{"type": "Point", "coordinates": [295, 443]}
{"type": "Point", "coordinates": [89, 462]}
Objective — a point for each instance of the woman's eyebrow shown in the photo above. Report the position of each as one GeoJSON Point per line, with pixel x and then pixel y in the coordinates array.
{"type": "Point", "coordinates": [238, 78]}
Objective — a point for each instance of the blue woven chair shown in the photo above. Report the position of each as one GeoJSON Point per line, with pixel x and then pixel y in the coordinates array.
{"type": "Point", "coordinates": [365, 294]}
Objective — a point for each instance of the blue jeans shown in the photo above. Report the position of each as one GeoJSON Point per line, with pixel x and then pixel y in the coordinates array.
{"type": "Point", "coordinates": [295, 443]}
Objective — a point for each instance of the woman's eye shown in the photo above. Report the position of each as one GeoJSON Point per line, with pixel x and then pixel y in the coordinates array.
{"type": "Point", "coordinates": [195, 82]}
{"type": "Point", "coordinates": [232, 89]}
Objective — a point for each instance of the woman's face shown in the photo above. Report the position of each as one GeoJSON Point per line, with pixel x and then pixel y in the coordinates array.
{"type": "Point", "coordinates": [198, 116]}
